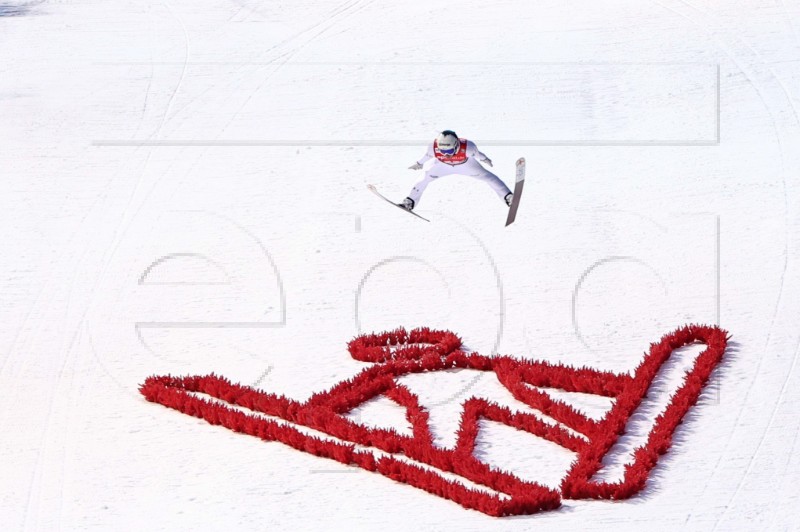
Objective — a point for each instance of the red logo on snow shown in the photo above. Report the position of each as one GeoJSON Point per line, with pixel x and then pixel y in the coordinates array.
{"type": "Point", "coordinates": [416, 460]}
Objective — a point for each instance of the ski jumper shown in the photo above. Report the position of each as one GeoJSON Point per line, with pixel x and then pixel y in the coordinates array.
{"type": "Point", "coordinates": [462, 162]}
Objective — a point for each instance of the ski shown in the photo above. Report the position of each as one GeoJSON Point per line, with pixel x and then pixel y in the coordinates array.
{"type": "Point", "coordinates": [519, 183]}
{"type": "Point", "coordinates": [384, 198]}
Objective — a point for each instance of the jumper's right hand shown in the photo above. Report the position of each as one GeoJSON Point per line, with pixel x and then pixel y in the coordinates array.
{"type": "Point", "coordinates": [415, 166]}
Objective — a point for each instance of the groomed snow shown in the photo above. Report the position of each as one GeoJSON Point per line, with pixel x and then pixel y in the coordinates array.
{"type": "Point", "coordinates": [183, 190]}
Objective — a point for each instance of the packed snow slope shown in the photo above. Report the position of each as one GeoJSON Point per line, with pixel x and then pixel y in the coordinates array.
{"type": "Point", "coordinates": [183, 190]}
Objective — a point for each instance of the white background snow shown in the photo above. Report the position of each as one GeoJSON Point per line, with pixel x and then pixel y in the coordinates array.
{"type": "Point", "coordinates": [183, 190]}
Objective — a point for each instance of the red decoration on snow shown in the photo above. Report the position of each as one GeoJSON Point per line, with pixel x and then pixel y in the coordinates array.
{"type": "Point", "coordinates": [415, 460]}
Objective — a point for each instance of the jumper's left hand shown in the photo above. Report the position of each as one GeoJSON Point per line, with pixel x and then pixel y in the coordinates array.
{"type": "Point", "coordinates": [487, 161]}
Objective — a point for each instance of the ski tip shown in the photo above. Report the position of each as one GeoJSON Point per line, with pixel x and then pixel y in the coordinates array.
{"type": "Point", "coordinates": [521, 160]}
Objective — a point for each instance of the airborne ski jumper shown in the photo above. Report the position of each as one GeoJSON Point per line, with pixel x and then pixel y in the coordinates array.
{"type": "Point", "coordinates": [453, 155]}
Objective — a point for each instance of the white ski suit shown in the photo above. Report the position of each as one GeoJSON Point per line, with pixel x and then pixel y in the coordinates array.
{"type": "Point", "coordinates": [463, 162]}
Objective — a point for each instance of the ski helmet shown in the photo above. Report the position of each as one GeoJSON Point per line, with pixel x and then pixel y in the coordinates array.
{"type": "Point", "coordinates": [447, 142]}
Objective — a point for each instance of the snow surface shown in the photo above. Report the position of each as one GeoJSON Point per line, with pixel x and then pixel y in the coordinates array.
{"type": "Point", "coordinates": [183, 191]}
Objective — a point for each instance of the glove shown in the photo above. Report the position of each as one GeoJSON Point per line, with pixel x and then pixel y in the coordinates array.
{"type": "Point", "coordinates": [487, 161]}
{"type": "Point", "coordinates": [415, 166]}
